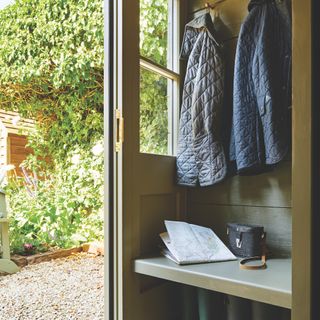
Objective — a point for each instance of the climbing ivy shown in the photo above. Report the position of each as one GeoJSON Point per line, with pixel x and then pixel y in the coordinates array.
{"type": "Point", "coordinates": [51, 69]}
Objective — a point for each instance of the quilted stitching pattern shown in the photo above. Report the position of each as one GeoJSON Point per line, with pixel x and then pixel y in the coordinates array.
{"type": "Point", "coordinates": [262, 89]}
{"type": "Point", "coordinates": [201, 156]}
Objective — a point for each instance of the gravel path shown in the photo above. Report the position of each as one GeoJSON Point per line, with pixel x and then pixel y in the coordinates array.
{"type": "Point", "coordinates": [63, 289]}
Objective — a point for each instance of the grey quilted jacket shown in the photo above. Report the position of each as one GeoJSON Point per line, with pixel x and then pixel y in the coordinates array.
{"type": "Point", "coordinates": [201, 159]}
{"type": "Point", "coordinates": [262, 87]}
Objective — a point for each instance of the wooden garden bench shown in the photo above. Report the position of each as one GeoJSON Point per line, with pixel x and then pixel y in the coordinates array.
{"type": "Point", "coordinates": [6, 265]}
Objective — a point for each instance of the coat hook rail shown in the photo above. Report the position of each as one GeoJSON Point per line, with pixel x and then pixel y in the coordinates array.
{"type": "Point", "coordinates": [209, 5]}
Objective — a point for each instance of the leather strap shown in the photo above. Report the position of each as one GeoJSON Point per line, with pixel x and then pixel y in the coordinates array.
{"type": "Point", "coordinates": [262, 265]}
{"type": "Point", "coordinates": [263, 259]}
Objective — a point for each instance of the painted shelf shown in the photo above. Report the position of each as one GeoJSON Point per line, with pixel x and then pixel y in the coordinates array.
{"type": "Point", "coordinates": [272, 285]}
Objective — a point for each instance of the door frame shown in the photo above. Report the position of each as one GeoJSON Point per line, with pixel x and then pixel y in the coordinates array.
{"type": "Point", "coordinates": [109, 208]}
{"type": "Point", "coordinates": [302, 159]}
{"type": "Point", "coordinates": [315, 308]}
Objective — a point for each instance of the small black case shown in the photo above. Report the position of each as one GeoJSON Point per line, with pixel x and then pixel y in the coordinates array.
{"type": "Point", "coordinates": [245, 240]}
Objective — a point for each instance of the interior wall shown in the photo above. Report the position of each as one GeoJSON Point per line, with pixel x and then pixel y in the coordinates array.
{"type": "Point", "coordinates": [261, 199]}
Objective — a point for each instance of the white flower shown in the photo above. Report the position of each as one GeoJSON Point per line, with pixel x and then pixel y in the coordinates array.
{"type": "Point", "coordinates": [75, 158]}
{"type": "Point", "coordinates": [52, 234]}
{"type": "Point", "coordinates": [97, 149]}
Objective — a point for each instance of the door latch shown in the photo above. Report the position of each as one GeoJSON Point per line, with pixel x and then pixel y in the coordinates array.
{"type": "Point", "coordinates": [119, 130]}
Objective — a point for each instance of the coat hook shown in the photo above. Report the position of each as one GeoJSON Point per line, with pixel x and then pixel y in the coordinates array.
{"type": "Point", "coordinates": [209, 6]}
{"type": "Point", "coordinates": [213, 5]}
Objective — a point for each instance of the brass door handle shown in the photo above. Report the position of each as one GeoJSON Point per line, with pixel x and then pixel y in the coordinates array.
{"type": "Point", "coordinates": [119, 130]}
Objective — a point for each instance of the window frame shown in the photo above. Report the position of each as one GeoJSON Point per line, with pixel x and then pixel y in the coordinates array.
{"type": "Point", "coordinates": [172, 74]}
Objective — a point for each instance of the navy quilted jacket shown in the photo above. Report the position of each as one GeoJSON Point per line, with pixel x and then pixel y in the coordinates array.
{"type": "Point", "coordinates": [262, 87]}
{"type": "Point", "coordinates": [201, 159]}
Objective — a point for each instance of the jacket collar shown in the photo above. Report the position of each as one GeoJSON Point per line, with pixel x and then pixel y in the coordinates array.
{"type": "Point", "coordinates": [254, 3]}
{"type": "Point", "coordinates": [205, 21]}
{"type": "Point", "coordinates": [201, 21]}
{"type": "Point", "coordinates": [284, 6]}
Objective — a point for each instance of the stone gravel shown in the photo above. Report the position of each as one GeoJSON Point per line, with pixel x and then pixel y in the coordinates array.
{"type": "Point", "coordinates": [63, 289]}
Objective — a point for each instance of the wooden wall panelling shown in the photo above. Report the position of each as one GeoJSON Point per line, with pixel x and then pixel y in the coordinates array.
{"type": "Point", "coordinates": [271, 189]}
{"type": "Point", "coordinates": [154, 210]}
{"type": "Point", "coordinates": [274, 220]}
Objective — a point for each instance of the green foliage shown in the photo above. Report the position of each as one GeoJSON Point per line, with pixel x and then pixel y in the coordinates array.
{"type": "Point", "coordinates": [153, 113]}
{"type": "Point", "coordinates": [51, 70]}
{"type": "Point", "coordinates": [63, 210]}
{"type": "Point", "coordinates": [154, 88]}
{"type": "Point", "coordinates": [154, 30]}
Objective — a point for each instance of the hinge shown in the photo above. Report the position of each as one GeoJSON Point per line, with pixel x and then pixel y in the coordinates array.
{"type": "Point", "coordinates": [119, 130]}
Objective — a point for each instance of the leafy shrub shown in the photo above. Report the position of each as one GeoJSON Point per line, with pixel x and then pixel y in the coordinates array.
{"type": "Point", "coordinates": [63, 210]}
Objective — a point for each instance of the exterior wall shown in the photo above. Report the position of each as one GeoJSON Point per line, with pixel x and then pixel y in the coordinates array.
{"type": "Point", "coordinates": [17, 151]}
{"type": "Point", "coordinates": [3, 148]}
{"type": "Point", "coordinates": [13, 138]}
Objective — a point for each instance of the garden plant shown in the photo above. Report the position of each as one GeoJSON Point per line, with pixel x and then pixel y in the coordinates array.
{"type": "Point", "coordinates": [51, 70]}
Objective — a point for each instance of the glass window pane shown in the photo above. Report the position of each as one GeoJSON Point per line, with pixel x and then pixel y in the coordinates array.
{"type": "Point", "coordinates": [154, 26]}
{"type": "Point", "coordinates": [155, 113]}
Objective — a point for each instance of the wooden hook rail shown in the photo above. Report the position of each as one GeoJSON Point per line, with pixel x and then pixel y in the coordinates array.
{"type": "Point", "coordinates": [209, 5]}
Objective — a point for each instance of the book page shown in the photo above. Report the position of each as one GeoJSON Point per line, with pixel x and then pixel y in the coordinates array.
{"type": "Point", "coordinates": [185, 245]}
{"type": "Point", "coordinates": [194, 244]}
{"type": "Point", "coordinates": [213, 247]}
{"type": "Point", "coordinates": [169, 255]}
{"type": "Point", "coordinates": [171, 248]}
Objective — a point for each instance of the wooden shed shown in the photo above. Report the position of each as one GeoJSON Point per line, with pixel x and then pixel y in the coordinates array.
{"type": "Point", "coordinates": [143, 284]}
{"type": "Point", "coordinates": [13, 138]}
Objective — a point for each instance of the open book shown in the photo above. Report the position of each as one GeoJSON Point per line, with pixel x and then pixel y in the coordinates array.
{"type": "Point", "coordinates": [188, 243]}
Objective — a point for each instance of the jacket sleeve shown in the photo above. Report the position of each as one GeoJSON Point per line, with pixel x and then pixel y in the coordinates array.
{"type": "Point", "coordinates": [189, 39]}
{"type": "Point", "coordinates": [261, 81]}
